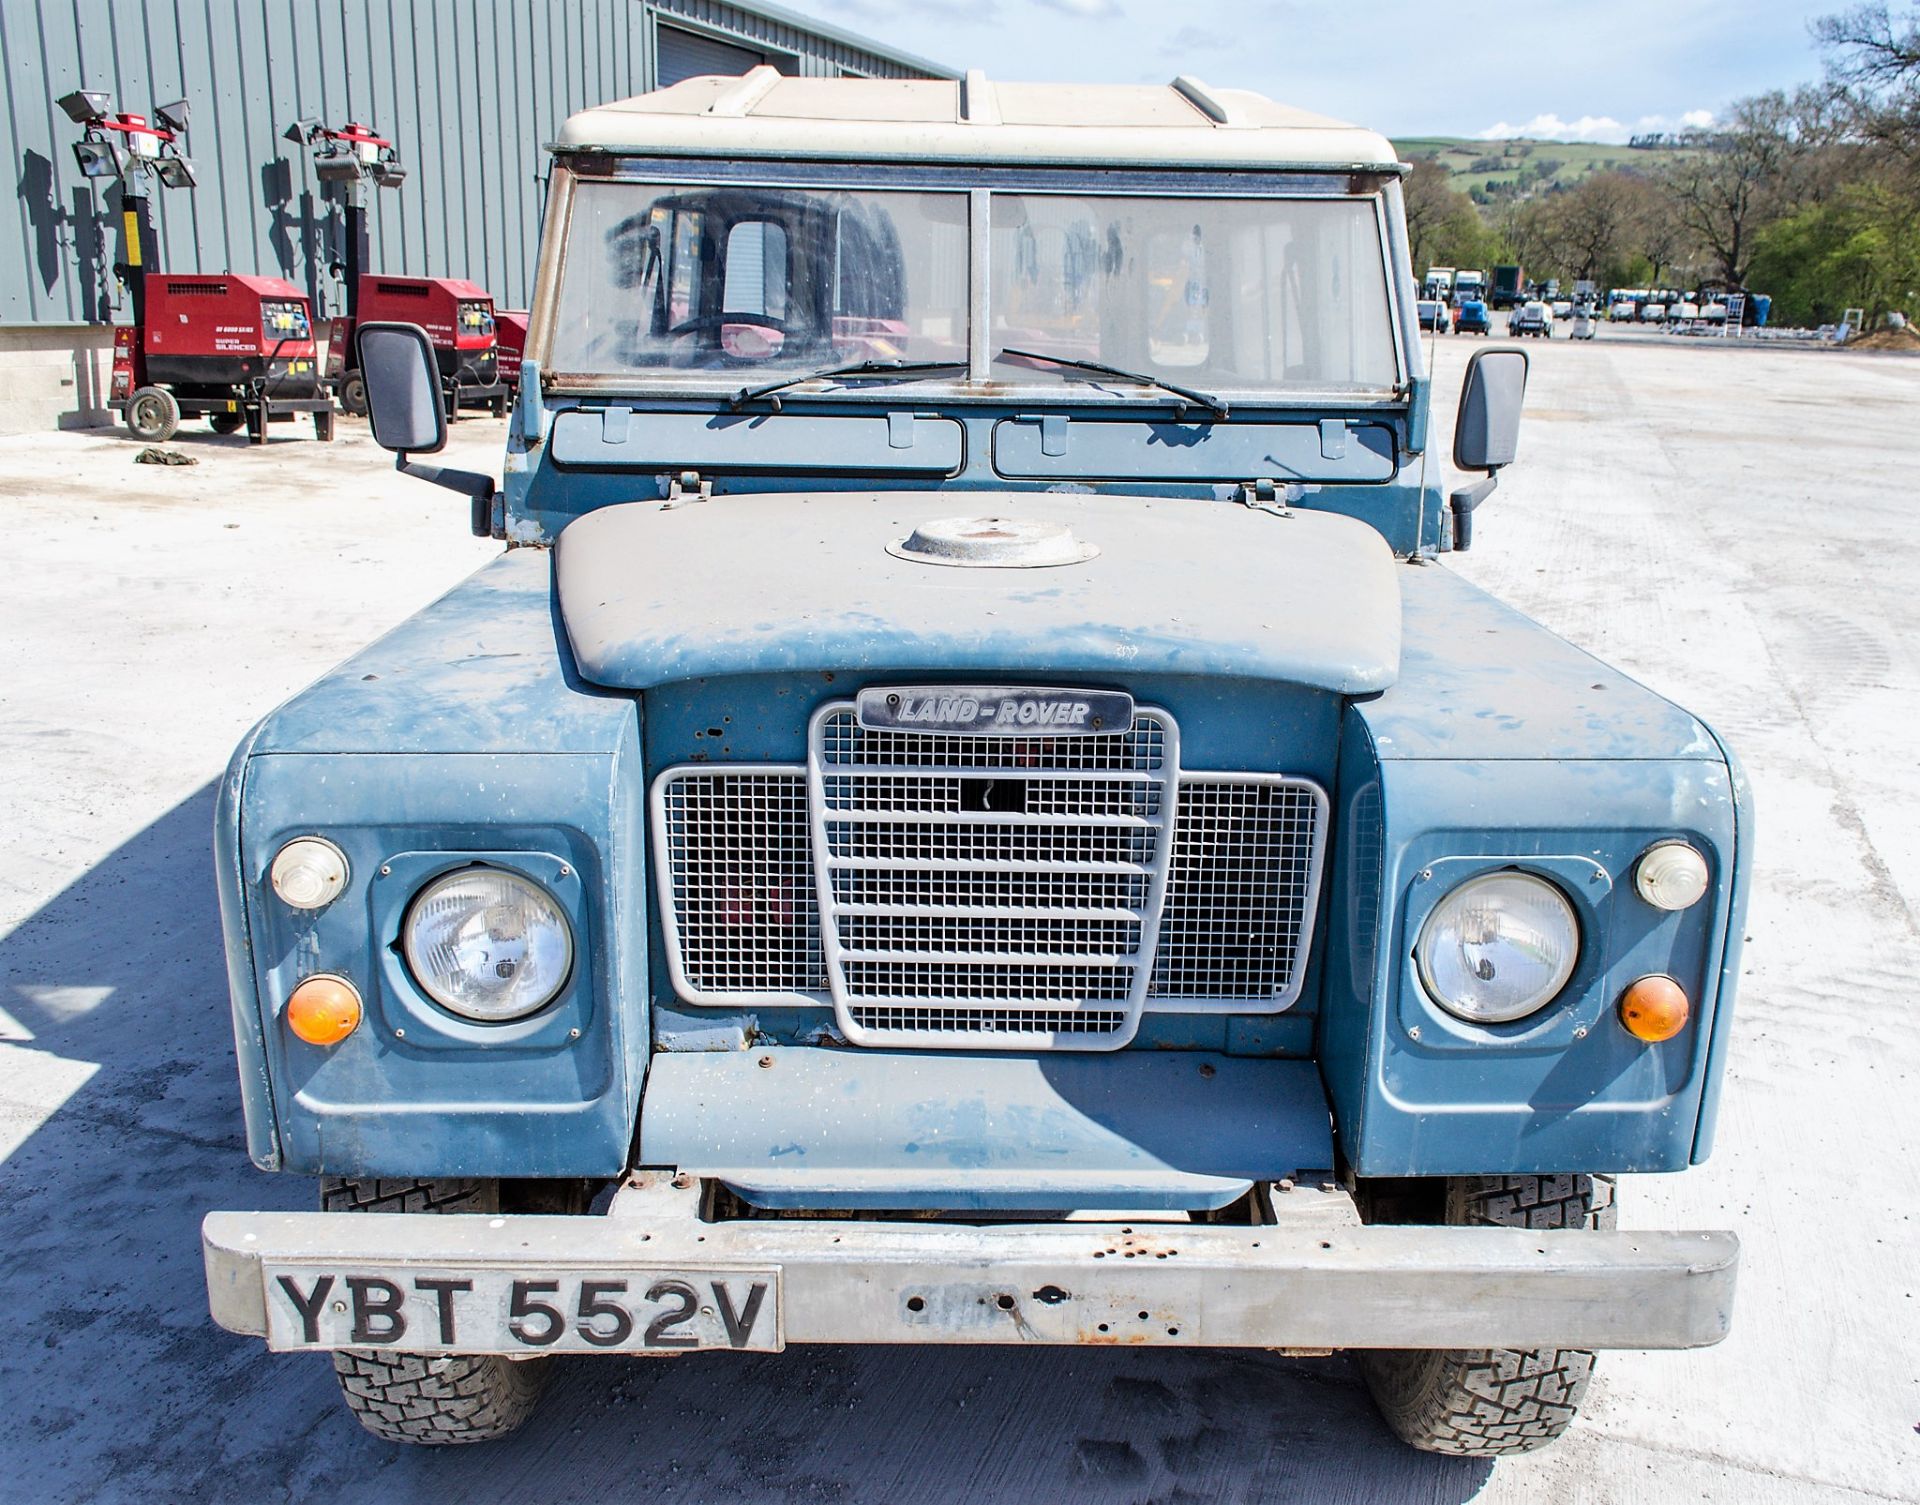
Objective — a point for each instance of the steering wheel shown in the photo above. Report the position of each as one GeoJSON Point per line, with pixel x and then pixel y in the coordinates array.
{"type": "Point", "coordinates": [714, 321]}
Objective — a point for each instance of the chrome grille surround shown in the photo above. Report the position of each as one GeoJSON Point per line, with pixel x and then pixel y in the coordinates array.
{"type": "Point", "coordinates": [1125, 884]}
{"type": "Point", "coordinates": [1036, 967]}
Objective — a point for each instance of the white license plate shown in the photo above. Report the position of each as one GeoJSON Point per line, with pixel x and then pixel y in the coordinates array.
{"type": "Point", "coordinates": [414, 1310]}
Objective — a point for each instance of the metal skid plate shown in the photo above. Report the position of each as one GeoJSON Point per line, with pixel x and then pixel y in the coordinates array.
{"type": "Point", "coordinates": [1311, 1281]}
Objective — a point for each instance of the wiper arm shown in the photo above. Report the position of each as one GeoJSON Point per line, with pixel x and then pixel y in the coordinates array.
{"type": "Point", "coordinates": [853, 368]}
{"type": "Point", "coordinates": [1214, 405]}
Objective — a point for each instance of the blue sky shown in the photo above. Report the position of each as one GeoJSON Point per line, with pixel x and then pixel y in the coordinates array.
{"type": "Point", "coordinates": [1435, 67]}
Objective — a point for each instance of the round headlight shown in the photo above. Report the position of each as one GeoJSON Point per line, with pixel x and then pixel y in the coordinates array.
{"type": "Point", "coordinates": [488, 944]}
{"type": "Point", "coordinates": [308, 873]}
{"type": "Point", "coordinates": [1498, 947]}
{"type": "Point", "coordinates": [1671, 876]}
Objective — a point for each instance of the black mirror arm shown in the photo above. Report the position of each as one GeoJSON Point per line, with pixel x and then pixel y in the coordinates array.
{"type": "Point", "coordinates": [478, 489]}
{"type": "Point", "coordinates": [1463, 502]}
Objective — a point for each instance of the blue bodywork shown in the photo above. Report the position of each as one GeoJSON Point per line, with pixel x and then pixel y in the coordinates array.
{"type": "Point", "coordinates": [1303, 627]}
{"type": "Point", "coordinates": [467, 735]}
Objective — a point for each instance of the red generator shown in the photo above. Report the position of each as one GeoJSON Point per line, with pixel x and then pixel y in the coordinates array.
{"type": "Point", "coordinates": [233, 349]}
{"type": "Point", "coordinates": [458, 318]}
{"type": "Point", "coordinates": [510, 325]}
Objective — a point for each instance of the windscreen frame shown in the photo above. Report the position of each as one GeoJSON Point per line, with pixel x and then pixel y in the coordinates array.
{"type": "Point", "coordinates": [981, 383]}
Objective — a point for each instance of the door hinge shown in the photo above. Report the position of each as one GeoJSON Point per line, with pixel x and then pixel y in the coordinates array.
{"type": "Point", "coordinates": [686, 486]}
{"type": "Point", "coordinates": [1269, 496]}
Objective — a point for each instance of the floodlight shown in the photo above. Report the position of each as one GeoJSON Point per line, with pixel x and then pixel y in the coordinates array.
{"type": "Point", "coordinates": [100, 159]}
{"type": "Point", "coordinates": [86, 106]}
{"type": "Point", "coordinates": [173, 116]}
{"type": "Point", "coordinates": [388, 174]}
{"type": "Point", "coordinates": [175, 172]}
{"type": "Point", "coordinates": [300, 133]}
{"type": "Point", "coordinates": [334, 168]}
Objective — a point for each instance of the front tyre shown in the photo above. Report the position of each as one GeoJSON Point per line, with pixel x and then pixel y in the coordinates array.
{"type": "Point", "coordinates": [435, 1400]}
{"type": "Point", "coordinates": [1493, 1402]}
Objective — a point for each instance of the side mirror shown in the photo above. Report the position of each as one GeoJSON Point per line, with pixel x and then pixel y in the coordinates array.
{"type": "Point", "coordinates": [403, 388]}
{"type": "Point", "coordinates": [407, 411]}
{"type": "Point", "coordinates": [1486, 434]}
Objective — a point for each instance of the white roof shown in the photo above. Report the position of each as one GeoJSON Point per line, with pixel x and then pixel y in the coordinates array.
{"type": "Point", "coordinates": [764, 114]}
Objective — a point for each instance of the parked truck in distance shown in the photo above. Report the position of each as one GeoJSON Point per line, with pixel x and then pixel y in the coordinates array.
{"type": "Point", "coordinates": [1469, 286]}
{"type": "Point", "coordinates": [1439, 283]}
{"type": "Point", "coordinates": [1509, 283]}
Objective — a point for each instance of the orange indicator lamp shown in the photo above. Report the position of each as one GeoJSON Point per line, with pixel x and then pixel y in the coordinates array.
{"type": "Point", "coordinates": [1654, 1009]}
{"type": "Point", "coordinates": [323, 1010]}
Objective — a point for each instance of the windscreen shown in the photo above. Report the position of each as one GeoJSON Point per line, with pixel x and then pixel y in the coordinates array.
{"type": "Point", "coordinates": [666, 280]}
{"type": "Point", "coordinates": [1223, 294]}
{"type": "Point", "coordinates": [719, 283]}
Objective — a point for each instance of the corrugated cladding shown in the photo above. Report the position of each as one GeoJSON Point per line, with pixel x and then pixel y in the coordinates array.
{"type": "Point", "coordinates": [469, 91]}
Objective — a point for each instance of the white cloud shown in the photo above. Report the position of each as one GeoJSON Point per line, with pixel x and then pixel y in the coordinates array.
{"type": "Point", "coordinates": [1601, 128]}
{"type": "Point", "coordinates": [1088, 10]}
{"type": "Point", "coordinates": [1550, 127]}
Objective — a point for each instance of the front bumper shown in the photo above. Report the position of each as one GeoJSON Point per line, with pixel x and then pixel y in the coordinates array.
{"type": "Point", "coordinates": [1312, 1280]}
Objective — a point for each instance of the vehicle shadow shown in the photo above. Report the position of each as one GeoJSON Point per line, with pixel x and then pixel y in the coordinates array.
{"type": "Point", "coordinates": [122, 1112]}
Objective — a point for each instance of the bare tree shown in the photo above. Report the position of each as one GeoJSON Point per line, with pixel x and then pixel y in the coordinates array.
{"type": "Point", "coordinates": [1873, 70]}
{"type": "Point", "coordinates": [1867, 47]}
{"type": "Point", "coordinates": [1655, 233]}
{"type": "Point", "coordinates": [1737, 177]}
{"type": "Point", "coordinates": [1432, 203]}
{"type": "Point", "coordinates": [1586, 227]}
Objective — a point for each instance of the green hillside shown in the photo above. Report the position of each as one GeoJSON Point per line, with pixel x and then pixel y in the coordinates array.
{"type": "Point", "coordinates": [1492, 171]}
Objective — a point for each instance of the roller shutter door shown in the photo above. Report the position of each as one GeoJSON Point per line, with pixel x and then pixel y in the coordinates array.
{"type": "Point", "coordinates": [685, 54]}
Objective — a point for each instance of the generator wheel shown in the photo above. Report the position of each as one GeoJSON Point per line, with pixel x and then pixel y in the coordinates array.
{"type": "Point", "coordinates": [438, 1400]}
{"type": "Point", "coordinates": [353, 394]}
{"type": "Point", "coordinates": [153, 415]}
{"type": "Point", "coordinates": [1493, 1402]}
{"type": "Point", "coordinates": [225, 423]}
{"type": "Point", "coordinates": [323, 425]}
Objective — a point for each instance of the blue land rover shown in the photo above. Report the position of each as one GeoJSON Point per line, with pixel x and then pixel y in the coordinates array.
{"type": "Point", "coordinates": [969, 808]}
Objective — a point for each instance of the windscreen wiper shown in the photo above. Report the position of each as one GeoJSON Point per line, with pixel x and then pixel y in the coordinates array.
{"type": "Point", "coordinates": [853, 368]}
{"type": "Point", "coordinates": [1214, 405]}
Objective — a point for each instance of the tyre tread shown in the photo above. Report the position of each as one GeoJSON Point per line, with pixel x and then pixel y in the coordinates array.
{"type": "Point", "coordinates": [437, 1400]}
{"type": "Point", "coordinates": [1494, 1402]}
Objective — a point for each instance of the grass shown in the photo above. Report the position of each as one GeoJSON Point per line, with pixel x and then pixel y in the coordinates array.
{"type": "Point", "coordinates": [1527, 167]}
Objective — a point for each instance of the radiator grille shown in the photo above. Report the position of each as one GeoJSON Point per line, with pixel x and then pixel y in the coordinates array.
{"type": "Point", "coordinates": [1040, 815]}
{"type": "Point", "coordinates": [739, 881]}
{"type": "Point", "coordinates": [924, 1020]}
{"type": "Point", "coordinates": [1017, 892]}
{"type": "Point", "coordinates": [1241, 893]}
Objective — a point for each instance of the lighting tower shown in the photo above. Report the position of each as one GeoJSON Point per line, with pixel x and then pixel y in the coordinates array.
{"type": "Point", "coordinates": [116, 144]}
{"type": "Point", "coordinates": [352, 156]}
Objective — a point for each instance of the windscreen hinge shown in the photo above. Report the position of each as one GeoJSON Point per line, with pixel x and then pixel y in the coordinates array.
{"type": "Point", "coordinates": [686, 486]}
{"type": "Point", "coordinates": [1267, 495]}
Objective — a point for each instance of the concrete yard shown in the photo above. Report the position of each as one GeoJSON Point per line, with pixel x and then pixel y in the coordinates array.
{"type": "Point", "coordinates": [1728, 524]}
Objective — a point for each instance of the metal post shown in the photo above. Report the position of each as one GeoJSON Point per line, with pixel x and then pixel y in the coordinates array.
{"type": "Point", "coordinates": [358, 249]}
{"type": "Point", "coordinates": [142, 251]}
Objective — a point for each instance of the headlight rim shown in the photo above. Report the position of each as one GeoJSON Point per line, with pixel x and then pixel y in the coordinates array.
{"type": "Point", "coordinates": [1530, 1017]}
{"type": "Point", "coordinates": [416, 973]}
